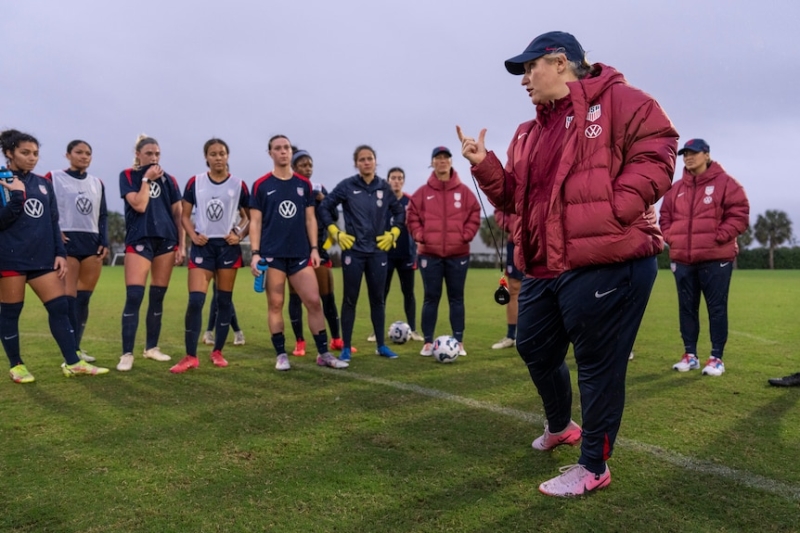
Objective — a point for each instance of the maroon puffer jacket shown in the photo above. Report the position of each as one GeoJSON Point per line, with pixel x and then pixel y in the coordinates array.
{"type": "Point", "coordinates": [443, 217]}
{"type": "Point", "coordinates": [702, 215]}
{"type": "Point", "coordinates": [617, 161]}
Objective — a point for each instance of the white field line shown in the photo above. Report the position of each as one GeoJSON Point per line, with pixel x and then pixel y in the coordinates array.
{"type": "Point", "coordinates": [754, 337]}
{"type": "Point", "coordinates": [754, 481]}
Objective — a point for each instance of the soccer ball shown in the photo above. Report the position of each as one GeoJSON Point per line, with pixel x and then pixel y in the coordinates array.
{"type": "Point", "coordinates": [445, 349]}
{"type": "Point", "coordinates": [399, 332]}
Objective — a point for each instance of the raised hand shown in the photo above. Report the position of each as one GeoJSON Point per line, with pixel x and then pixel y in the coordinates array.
{"type": "Point", "coordinates": [474, 151]}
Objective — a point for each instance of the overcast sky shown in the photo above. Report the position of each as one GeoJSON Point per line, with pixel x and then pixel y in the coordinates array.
{"type": "Point", "coordinates": [397, 75]}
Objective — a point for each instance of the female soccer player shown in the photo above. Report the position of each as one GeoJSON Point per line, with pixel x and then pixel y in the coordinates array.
{"type": "Point", "coordinates": [443, 218]}
{"type": "Point", "coordinates": [365, 200]}
{"type": "Point", "coordinates": [283, 232]}
{"type": "Point", "coordinates": [154, 244]}
{"type": "Point", "coordinates": [33, 253]}
{"type": "Point", "coordinates": [83, 219]}
{"type": "Point", "coordinates": [303, 165]}
{"type": "Point", "coordinates": [220, 200]}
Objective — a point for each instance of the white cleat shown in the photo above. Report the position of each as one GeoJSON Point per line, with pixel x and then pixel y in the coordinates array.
{"type": "Point", "coordinates": [125, 362]}
{"type": "Point", "coordinates": [156, 355]}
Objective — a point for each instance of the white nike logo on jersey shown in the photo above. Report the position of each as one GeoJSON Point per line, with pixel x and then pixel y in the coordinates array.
{"type": "Point", "coordinates": [228, 262]}
{"type": "Point", "coordinates": [464, 262]}
{"type": "Point", "coordinates": [383, 264]}
{"type": "Point", "coordinates": [302, 262]}
{"type": "Point", "coordinates": [681, 194]}
{"type": "Point", "coordinates": [598, 294]}
{"type": "Point", "coordinates": [723, 265]}
{"type": "Point", "coordinates": [521, 135]}
{"type": "Point", "coordinates": [270, 192]}
{"type": "Point", "coordinates": [430, 197]}
{"type": "Point", "coordinates": [356, 192]}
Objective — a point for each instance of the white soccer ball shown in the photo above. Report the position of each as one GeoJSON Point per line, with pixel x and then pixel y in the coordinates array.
{"type": "Point", "coordinates": [445, 349]}
{"type": "Point", "coordinates": [399, 332]}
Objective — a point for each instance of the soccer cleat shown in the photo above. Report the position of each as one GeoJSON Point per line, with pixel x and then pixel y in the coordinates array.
{"type": "Point", "coordinates": [238, 338]}
{"type": "Point", "coordinates": [86, 357]}
{"type": "Point", "coordinates": [427, 349]}
{"type": "Point", "coordinates": [187, 363]}
{"type": "Point", "coordinates": [82, 368]}
{"type": "Point", "coordinates": [345, 355]}
{"type": "Point", "coordinates": [218, 359]}
{"type": "Point", "coordinates": [714, 367]}
{"type": "Point", "coordinates": [570, 435]}
{"type": "Point", "coordinates": [20, 374]}
{"type": "Point", "coordinates": [300, 349]}
{"type": "Point", "coordinates": [336, 343]}
{"type": "Point", "coordinates": [787, 381]}
{"type": "Point", "coordinates": [208, 338]}
{"type": "Point", "coordinates": [417, 337]}
{"type": "Point", "coordinates": [384, 351]}
{"type": "Point", "coordinates": [156, 355]}
{"type": "Point", "coordinates": [575, 480]}
{"type": "Point", "coordinates": [688, 362]}
{"type": "Point", "coordinates": [505, 342]}
{"type": "Point", "coordinates": [371, 338]}
{"type": "Point", "coordinates": [461, 351]}
{"type": "Point", "coordinates": [282, 362]}
{"type": "Point", "coordinates": [125, 362]}
{"type": "Point", "coordinates": [327, 359]}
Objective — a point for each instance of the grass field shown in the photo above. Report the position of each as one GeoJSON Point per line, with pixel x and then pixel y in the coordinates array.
{"type": "Point", "coordinates": [408, 445]}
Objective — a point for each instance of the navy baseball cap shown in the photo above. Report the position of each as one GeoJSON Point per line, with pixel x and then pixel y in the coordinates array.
{"type": "Point", "coordinates": [547, 43]}
{"type": "Point", "coordinates": [695, 145]}
{"type": "Point", "coordinates": [441, 150]}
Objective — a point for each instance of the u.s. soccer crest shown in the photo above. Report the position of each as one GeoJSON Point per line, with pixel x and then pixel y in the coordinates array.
{"type": "Point", "coordinates": [300, 191]}
{"type": "Point", "coordinates": [380, 195]}
{"type": "Point", "coordinates": [43, 189]}
{"type": "Point", "coordinates": [594, 113]}
{"type": "Point", "coordinates": [569, 121]}
{"type": "Point", "coordinates": [709, 190]}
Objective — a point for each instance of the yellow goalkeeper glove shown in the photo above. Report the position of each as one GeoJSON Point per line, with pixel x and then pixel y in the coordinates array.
{"type": "Point", "coordinates": [345, 240]}
{"type": "Point", "coordinates": [327, 244]}
{"type": "Point", "coordinates": [388, 240]}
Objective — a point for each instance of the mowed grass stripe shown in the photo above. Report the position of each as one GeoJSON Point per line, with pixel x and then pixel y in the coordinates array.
{"type": "Point", "coordinates": [784, 490]}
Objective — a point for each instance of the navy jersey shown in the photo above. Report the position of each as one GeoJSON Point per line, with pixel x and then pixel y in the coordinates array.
{"type": "Point", "coordinates": [365, 207]}
{"type": "Point", "coordinates": [406, 247]}
{"type": "Point", "coordinates": [83, 215]}
{"type": "Point", "coordinates": [157, 220]}
{"type": "Point", "coordinates": [30, 238]}
{"type": "Point", "coordinates": [217, 203]}
{"type": "Point", "coordinates": [283, 206]}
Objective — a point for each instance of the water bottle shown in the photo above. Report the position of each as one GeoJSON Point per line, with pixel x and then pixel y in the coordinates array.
{"type": "Point", "coordinates": [258, 283]}
{"type": "Point", "coordinates": [8, 176]}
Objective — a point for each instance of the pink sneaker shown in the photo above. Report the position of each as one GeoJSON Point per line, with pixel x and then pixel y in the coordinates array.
{"type": "Point", "coordinates": [185, 364]}
{"type": "Point", "coordinates": [218, 359]}
{"type": "Point", "coordinates": [570, 435]}
{"type": "Point", "coordinates": [575, 480]}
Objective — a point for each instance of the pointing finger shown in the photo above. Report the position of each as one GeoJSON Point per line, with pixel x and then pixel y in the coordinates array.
{"type": "Point", "coordinates": [460, 134]}
{"type": "Point", "coordinates": [482, 137]}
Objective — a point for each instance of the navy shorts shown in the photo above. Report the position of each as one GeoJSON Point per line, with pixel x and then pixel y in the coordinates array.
{"type": "Point", "coordinates": [289, 265]}
{"type": "Point", "coordinates": [152, 248]}
{"type": "Point", "coordinates": [215, 255]}
{"type": "Point", "coordinates": [29, 274]}
{"type": "Point", "coordinates": [511, 270]}
{"type": "Point", "coordinates": [82, 244]}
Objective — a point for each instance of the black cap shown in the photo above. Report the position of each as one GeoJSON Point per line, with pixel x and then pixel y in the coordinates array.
{"type": "Point", "coordinates": [552, 42]}
{"type": "Point", "coordinates": [695, 145]}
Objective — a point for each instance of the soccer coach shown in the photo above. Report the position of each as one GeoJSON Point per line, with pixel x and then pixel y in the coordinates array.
{"type": "Point", "coordinates": [583, 177]}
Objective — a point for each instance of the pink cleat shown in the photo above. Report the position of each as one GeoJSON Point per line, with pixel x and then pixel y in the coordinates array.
{"type": "Point", "coordinates": [570, 435]}
{"type": "Point", "coordinates": [187, 363]}
{"type": "Point", "coordinates": [575, 480]}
